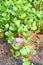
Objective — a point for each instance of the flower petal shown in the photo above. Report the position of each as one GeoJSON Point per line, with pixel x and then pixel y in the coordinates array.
{"type": "Point", "coordinates": [19, 40]}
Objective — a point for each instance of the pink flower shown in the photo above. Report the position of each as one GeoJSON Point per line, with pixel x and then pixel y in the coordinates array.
{"type": "Point", "coordinates": [19, 40]}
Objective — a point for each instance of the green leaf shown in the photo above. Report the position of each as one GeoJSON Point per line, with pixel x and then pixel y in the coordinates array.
{"type": "Point", "coordinates": [6, 26]}
{"type": "Point", "coordinates": [28, 49]}
{"type": "Point", "coordinates": [30, 0]}
{"type": "Point", "coordinates": [14, 8]}
{"type": "Point", "coordinates": [10, 39]}
{"type": "Point", "coordinates": [38, 14]}
{"type": "Point", "coordinates": [32, 64]}
{"type": "Point", "coordinates": [17, 23]}
{"type": "Point", "coordinates": [20, 30]}
{"type": "Point", "coordinates": [34, 27]}
{"type": "Point", "coordinates": [17, 53]}
{"type": "Point", "coordinates": [9, 33]}
{"type": "Point", "coordinates": [1, 30]}
{"type": "Point", "coordinates": [11, 50]}
{"type": "Point", "coordinates": [27, 40]}
{"type": "Point", "coordinates": [15, 46]}
{"type": "Point", "coordinates": [26, 63]}
{"type": "Point", "coordinates": [23, 16]}
{"type": "Point", "coordinates": [11, 28]}
{"type": "Point", "coordinates": [23, 52]}
{"type": "Point", "coordinates": [33, 52]}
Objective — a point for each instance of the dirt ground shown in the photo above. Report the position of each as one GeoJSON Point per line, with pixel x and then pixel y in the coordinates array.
{"type": "Point", "coordinates": [7, 59]}
{"type": "Point", "coordinates": [37, 43]}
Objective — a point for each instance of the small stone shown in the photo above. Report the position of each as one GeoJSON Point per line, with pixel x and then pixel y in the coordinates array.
{"type": "Point", "coordinates": [19, 62]}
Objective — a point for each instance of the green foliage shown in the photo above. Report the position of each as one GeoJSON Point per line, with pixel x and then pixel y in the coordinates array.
{"type": "Point", "coordinates": [25, 50]}
{"type": "Point", "coordinates": [33, 52]}
{"type": "Point", "coordinates": [20, 17]}
{"type": "Point", "coordinates": [26, 62]}
{"type": "Point", "coordinates": [12, 51]}
{"type": "Point", "coordinates": [27, 40]}
{"type": "Point", "coordinates": [17, 53]}
{"type": "Point", "coordinates": [16, 46]}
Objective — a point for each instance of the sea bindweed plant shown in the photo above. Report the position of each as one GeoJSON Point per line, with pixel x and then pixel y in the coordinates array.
{"type": "Point", "coordinates": [18, 19]}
